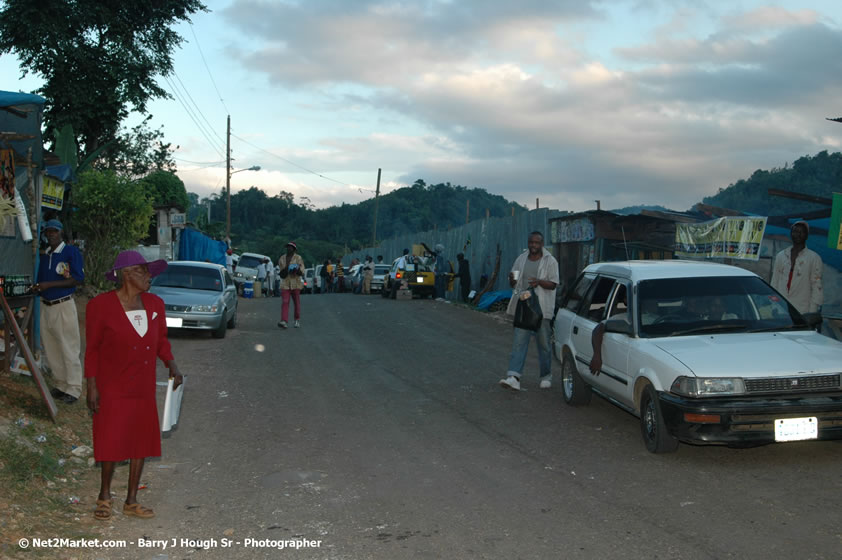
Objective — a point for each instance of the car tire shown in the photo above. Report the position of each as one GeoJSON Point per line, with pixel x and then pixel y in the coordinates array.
{"type": "Point", "coordinates": [652, 426]}
{"type": "Point", "coordinates": [219, 332]}
{"type": "Point", "coordinates": [232, 322]}
{"type": "Point", "coordinates": [573, 388]}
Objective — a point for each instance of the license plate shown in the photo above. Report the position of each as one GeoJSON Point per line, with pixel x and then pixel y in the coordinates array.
{"type": "Point", "coordinates": [174, 322]}
{"type": "Point", "coordinates": [796, 429]}
{"type": "Point", "coordinates": [419, 279]}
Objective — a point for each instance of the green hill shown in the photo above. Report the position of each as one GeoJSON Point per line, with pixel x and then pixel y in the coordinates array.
{"type": "Point", "coordinates": [819, 175]}
{"type": "Point", "coordinates": [264, 224]}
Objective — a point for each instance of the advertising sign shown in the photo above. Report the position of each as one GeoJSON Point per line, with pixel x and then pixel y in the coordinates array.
{"type": "Point", "coordinates": [53, 195]}
{"type": "Point", "coordinates": [735, 237]}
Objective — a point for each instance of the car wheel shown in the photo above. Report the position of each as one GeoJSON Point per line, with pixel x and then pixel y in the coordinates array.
{"type": "Point", "coordinates": [232, 323]}
{"type": "Point", "coordinates": [219, 332]}
{"type": "Point", "coordinates": [655, 434]}
{"type": "Point", "coordinates": [576, 392]}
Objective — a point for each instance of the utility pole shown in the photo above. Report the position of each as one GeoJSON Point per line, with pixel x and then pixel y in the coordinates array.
{"type": "Point", "coordinates": [376, 201]}
{"type": "Point", "coordinates": [228, 183]}
{"type": "Point", "coordinates": [468, 211]}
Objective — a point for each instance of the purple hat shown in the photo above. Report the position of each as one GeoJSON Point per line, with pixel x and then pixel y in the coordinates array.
{"type": "Point", "coordinates": [132, 258]}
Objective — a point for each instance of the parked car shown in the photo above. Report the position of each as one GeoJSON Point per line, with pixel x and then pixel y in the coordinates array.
{"type": "Point", "coordinates": [198, 295]}
{"type": "Point", "coordinates": [317, 279]}
{"type": "Point", "coordinates": [309, 280]}
{"type": "Point", "coordinates": [247, 266]}
{"type": "Point", "coordinates": [419, 277]}
{"type": "Point", "coordinates": [702, 353]}
{"type": "Point", "coordinates": [380, 273]}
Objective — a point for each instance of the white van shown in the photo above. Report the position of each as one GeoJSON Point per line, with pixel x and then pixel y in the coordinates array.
{"type": "Point", "coordinates": [247, 267]}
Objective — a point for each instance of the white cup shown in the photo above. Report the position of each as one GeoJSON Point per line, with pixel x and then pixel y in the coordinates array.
{"type": "Point", "coordinates": [516, 275]}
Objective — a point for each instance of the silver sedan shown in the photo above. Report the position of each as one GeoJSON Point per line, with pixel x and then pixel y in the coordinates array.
{"type": "Point", "coordinates": [198, 295]}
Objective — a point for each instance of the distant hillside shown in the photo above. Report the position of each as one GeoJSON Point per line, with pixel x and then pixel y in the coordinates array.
{"type": "Point", "coordinates": [819, 175]}
{"type": "Point", "coordinates": [629, 210]}
{"type": "Point", "coordinates": [263, 224]}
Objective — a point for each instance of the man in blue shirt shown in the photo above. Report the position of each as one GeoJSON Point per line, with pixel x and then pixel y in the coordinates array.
{"type": "Point", "coordinates": [59, 272]}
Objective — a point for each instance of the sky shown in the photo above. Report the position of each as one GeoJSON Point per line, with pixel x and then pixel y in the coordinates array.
{"type": "Point", "coordinates": [554, 102]}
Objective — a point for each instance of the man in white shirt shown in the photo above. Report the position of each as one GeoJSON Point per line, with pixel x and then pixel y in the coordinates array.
{"type": "Point", "coordinates": [537, 269]}
{"type": "Point", "coordinates": [797, 273]}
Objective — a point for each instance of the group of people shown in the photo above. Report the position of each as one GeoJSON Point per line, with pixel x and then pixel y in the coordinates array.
{"type": "Point", "coordinates": [126, 333]}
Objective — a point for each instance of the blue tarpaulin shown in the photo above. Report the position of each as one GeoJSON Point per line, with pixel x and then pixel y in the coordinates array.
{"type": "Point", "coordinates": [196, 246]}
{"type": "Point", "coordinates": [490, 298]}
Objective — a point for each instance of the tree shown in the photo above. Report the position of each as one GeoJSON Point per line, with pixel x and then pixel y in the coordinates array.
{"type": "Point", "coordinates": [112, 214]}
{"type": "Point", "coordinates": [139, 151]}
{"type": "Point", "coordinates": [98, 58]}
{"type": "Point", "coordinates": [164, 188]}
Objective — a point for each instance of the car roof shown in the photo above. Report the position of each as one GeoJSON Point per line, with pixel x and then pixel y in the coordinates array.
{"type": "Point", "coordinates": [199, 264]}
{"type": "Point", "coordinates": [648, 270]}
{"type": "Point", "coordinates": [255, 255]}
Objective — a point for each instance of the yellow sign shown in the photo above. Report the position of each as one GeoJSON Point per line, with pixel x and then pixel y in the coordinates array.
{"type": "Point", "coordinates": [736, 237]}
{"type": "Point", "coordinates": [53, 195]}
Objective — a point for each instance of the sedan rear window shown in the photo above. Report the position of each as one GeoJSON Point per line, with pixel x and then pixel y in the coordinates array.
{"type": "Point", "coordinates": [190, 277]}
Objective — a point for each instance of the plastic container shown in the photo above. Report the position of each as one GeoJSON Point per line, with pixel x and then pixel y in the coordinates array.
{"type": "Point", "coordinates": [248, 290]}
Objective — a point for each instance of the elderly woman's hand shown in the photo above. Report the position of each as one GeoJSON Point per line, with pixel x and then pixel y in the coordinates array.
{"type": "Point", "coordinates": [175, 375]}
{"type": "Point", "coordinates": [92, 396]}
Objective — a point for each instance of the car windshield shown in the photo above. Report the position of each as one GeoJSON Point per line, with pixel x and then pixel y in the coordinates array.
{"type": "Point", "coordinates": [190, 277]}
{"type": "Point", "coordinates": [683, 306]}
{"type": "Point", "coordinates": [248, 261]}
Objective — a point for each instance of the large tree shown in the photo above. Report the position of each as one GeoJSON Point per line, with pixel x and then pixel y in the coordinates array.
{"type": "Point", "coordinates": [98, 58]}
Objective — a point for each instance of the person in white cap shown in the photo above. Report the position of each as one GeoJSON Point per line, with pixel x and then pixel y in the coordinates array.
{"type": "Point", "coordinates": [292, 274]}
{"type": "Point", "coordinates": [797, 273]}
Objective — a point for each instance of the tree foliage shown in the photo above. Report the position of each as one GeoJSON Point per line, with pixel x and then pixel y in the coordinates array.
{"type": "Point", "coordinates": [819, 175]}
{"type": "Point", "coordinates": [139, 151]}
{"type": "Point", "coordinates": [112, 214]}
{"type": "Point", "coordinates": [263, 223]}
{"type": "Point", "coordinates": [98, 58]}
{"type": "Point", "coordinates": [164, 188]}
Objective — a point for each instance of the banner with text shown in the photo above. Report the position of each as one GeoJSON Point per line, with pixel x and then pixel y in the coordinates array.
{"type": "Point", "coordinates": [735, 237]}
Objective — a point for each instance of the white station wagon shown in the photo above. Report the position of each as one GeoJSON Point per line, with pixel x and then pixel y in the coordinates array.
{"type": "Point", "coordinates": [702, 353]}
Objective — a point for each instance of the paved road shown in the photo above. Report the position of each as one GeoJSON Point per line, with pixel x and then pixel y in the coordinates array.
{"type": "Point", "coordinates": [378, 428]}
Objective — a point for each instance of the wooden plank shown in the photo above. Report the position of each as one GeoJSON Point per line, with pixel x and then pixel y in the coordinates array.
{"type": "Point", "coordinates": [30, 359]}
{"type": "Point", "coordinates": [800, 196]}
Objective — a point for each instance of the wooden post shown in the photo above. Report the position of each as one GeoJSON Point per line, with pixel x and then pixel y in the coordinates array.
{"type": "Point", "coordinates": [536, 204]}
{"type": "Point", "coordinates": [468, 211]}
{"type": "Point", "coordinates": [487, 213]}
{"type": "Point", "coordinates": [376, 201]}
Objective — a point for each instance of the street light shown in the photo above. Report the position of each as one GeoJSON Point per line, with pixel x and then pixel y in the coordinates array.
{"type": "Point", "coordinates": [228, 201]}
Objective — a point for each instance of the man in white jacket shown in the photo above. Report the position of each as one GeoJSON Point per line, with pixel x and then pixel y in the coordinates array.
{"type": "Point", "coordinates": [534, 268]}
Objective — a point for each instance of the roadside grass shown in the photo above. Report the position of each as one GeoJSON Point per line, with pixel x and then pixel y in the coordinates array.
{"type": "Point", "coordinates": [45, 491]}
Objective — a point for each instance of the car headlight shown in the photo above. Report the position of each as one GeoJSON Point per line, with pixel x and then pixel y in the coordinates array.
{"type": "Point", "coordinates": [238, 274]}
{"type": "Point", "coordinates": [708, 386]}
{"type": "Point", "coordinates": [205, 308]}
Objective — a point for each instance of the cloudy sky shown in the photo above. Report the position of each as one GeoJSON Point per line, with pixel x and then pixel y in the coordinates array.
{"type": "Point", "coordinates": [565, 101]}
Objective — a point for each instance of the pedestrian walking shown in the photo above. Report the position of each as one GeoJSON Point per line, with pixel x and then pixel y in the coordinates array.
{"type": "Point", "coordinates": [292, 275]}
{"type": "Point", "coordinates": [535, 268]}
{"type": "Point", "coordinates": [60, 270]}
{"type": "Point", "coordinates": [368, 274]}
{"type": "Point", "coordinates": [464, 276]}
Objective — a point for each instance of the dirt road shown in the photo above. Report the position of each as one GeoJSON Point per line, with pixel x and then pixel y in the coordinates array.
{"type": "Point", "coordinates": [378, 430]}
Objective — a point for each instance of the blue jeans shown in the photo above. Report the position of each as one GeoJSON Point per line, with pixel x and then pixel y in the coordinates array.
{"type": "Point", "coordinates": [520, 346]}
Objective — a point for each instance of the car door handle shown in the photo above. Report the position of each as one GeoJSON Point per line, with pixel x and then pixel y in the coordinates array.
{"type": "Point", "coordinates": [575, 330]}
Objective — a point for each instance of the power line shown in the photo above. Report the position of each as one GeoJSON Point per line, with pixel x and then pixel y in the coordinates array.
{"type": "Point", "coordinates": [206, 129]}
{"type": "Point", "coordinates": [296, 165]}
{"type": "Point", "coordinates": [210, 126]}
{"type": "Point", "coordinates": [227, 112]}
{"type": "Point", "coordinates": [200, 162]}
{"type": "Point", "coordinates": [186, 108]}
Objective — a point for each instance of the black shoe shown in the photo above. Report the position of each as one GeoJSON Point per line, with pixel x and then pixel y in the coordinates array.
{"type": "Point", "coordinates": [57, 393]}
{"type": "Point", "coordinates": [68, 399]}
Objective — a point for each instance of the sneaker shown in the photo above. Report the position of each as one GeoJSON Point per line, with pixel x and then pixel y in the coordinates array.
{"type": "Point", "coordinates": [297, 324]}
{"type": "Point", "coordinates": [546, 383]}
{"type": "Point", "coordinates": [282, 324]}
{"type": "Point", "coordinates": [511, 382]}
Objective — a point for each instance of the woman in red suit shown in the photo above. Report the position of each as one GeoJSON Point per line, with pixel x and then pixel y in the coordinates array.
{"type": "Point", "coordinates": [126, 330]}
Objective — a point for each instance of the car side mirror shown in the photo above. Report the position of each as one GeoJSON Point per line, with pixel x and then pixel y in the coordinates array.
{"type": "Point", "coordinates": [619, 326]}
{"type": "Point", "coordinates": [813, 320]}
